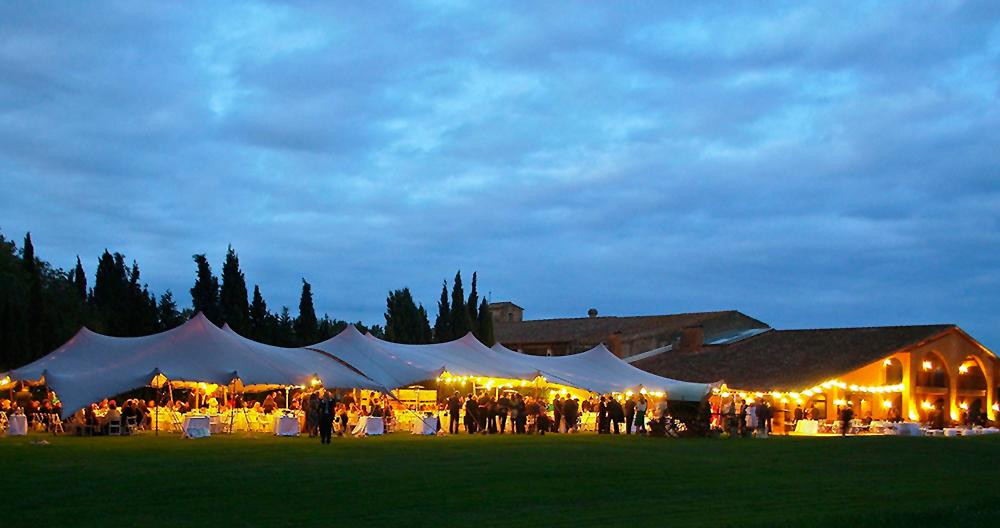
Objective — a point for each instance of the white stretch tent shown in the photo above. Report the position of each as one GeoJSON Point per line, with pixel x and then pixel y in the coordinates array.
{"type": "Point", "coordinates": [599, 370]}
{"type": "Point", "coordinates": [92, 366]}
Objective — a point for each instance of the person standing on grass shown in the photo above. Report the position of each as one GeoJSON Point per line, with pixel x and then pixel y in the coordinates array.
{"type": "Point", "coordinates": [503, 408]}
{"type": "Point", "coordinates": [615, 413]}
{"type": "Point", "coordinates": [556, 413]}
{"type": "Point", "coordinates": [640, 415]}
{"type": "Point", "coordinates": [326, 410]}
{"type": "Point", "coordinates": [602, 416]}
{"type": "Point", "coordinates": [846, 416]}
{"type": "Point", "coordinates": [570, 409]}
{"type": "Point", "coordinates": [454, 409]}
{"type": "Point", "coordinates": [521, 420]}
{"type": "Point", "coordinates": [629, 414]}
{"type": "Point", "coordinates": [471, 409]}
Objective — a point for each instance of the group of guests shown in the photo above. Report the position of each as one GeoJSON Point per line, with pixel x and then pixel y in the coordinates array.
{"type": "Point", "coordinates": [740, 417]}
{"type": "Point", "coordinates": [328, 411]}
{"type": "Point", "coordinates": [485, 414]}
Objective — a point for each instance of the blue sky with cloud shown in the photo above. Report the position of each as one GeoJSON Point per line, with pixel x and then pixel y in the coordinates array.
{"type": "Point", "coordinates": [811, 164]}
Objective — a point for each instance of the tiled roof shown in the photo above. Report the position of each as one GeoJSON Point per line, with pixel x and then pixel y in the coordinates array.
{"type": "Point", "coordinates": [789, 359]}
{"type": "Point", "coordinates": [597, 329]}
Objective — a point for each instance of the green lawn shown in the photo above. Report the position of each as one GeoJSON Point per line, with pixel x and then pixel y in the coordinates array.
{"type": "Point", "coordinates": [555, 480]}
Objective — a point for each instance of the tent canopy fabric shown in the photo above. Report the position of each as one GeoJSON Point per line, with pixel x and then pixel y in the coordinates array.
{"type": "Point", "coordinates": [599, 370]}
{"type": "Point", "coordinates": [92, 366]}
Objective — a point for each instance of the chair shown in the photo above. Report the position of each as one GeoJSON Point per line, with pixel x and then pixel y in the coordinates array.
{"type": "Point", "coordinates": [55, 424]}
{"type": "Point", "coordinates": [115, 427]}
{"type": "Point", "coordinates": [130, 425]}
{"type": "Point", "coordinates": [3, 422]}
{"type": "Point", "coordinates": [38, 422]}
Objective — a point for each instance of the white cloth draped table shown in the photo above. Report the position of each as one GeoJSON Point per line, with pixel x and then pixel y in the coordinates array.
{"type": "Point", "coordinates": [369, 425]}
{"type": "Point", "coordinates": [17, 425]}
{"type": "Point", "coordinates": [807, 427]}
{"type": "Point", "coordinates": [425, 425]}
{"type": "Point", "coordinates": [196, 427]}
{"type": "Point", "coordinates": [286, 426]}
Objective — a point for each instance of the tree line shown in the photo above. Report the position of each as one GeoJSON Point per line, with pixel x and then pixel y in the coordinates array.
{"type": "Point", "coordinates": [42, 306]}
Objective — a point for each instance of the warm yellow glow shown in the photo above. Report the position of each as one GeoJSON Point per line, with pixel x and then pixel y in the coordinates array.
{"type": "Point", "coordinates": [202, 386]}
{"type": "Point", "coordinates": [963, 369]}
{"type": "Point", "coordinates": [314, 381]}
{"type": "Point", "coordinates": [839, 402]}
{"type": "Point", "coordinates": [854, 388]}
{"type": "Point", "coordinates": [914, 416]}
{"type": "Point", "coordinates": [887, 404]}
{"type": "Point", "coordinates": [954, 415]}
{"type": "Point", "coordinates": [964, 406]}
{"type": "Point", "coordinates": [629, 393]}
{"type": "Point", "coordinates": [750, 400]}
{"type": "Point", "coordinates": [5, 380]}
{"type": "Point", "coordinates": [642, 390]}
{"type": "Point", "coordinates": [809, 392]}
{"type": "Point", "coordinates": [927, 405]}
{"type": "Point", "coordinates": [794, 395]}
{"type": "Point", "coordinates": [759, 394]}
{"type": "Point", "coordinates": [927, 365]}
{"type": "Point", "coordinates": [996, 407]}
{"type": "Point", "coordinates": [784, 400]}
{"type": "Point", "coordinates": [887, 362]}
{"type": "Point", "coordinates": [724, 395]}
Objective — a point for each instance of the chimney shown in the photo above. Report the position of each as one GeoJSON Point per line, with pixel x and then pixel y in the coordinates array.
{"type": "Point", "coordinates": [592, 312]}
{"type": "Point", "coordinates": [692, 337]}
{"type": "Point", "coordinates": [615, 343]}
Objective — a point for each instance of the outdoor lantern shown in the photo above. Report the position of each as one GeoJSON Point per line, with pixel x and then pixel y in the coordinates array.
{"type": "Point", "coordinates": [927, 365]}
{"type": "Point", "coordinates": [887, 404]}
{"type": "Point", "coordinates": [314, 381]}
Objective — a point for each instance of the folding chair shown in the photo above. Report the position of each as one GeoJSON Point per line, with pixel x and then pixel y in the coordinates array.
{"type": "Point", "coordinates": [55, 424]}
{"type": "Point", "coordinates": [114, 427]}
{"type": "Point", "coordinates": [3, 422]}
{"type": "Point", "coordinates": [130, 425]}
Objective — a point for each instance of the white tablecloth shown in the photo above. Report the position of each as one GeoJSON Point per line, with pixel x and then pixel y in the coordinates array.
{"type": "Point", "coordinates": [904, 429]}
{"type": "Point", "coordinates": [286, 426]}
{"type": "Point", "coordinates": [369, 425]}
{"type": "Point", "coordinates": [425, 425]}
{"type": "Point", "coordinates": [807, 426]}
{"type": "Point", "coordinates": [18, 425]}
{"type": "Point", "coordinates": [196, 426]}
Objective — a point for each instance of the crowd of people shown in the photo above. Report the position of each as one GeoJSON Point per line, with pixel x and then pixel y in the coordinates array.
{"type": "Point", "coordinates": [486, 414]}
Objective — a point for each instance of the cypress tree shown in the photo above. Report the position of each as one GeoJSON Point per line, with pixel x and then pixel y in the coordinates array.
{"type": "Point", "coordinates": [425, 336]}
{"type": "Point", "coordinates": [205, 292]}
{"type": "Point", "coordinates": [233, 295]}
{"type": "Point", "coordinates": [460, 322]}
{"type": "Point", "coordinates": [35, 329]}
{"type": "Point", "coordinates": [442, 325]}
{"type": "Point", "coordinates": [284, 332]}
{"type": "Point", "coordinates": [167, 312]}
{"type": "Point", "coordinates": [305, 324]}
{"type": "Point", "coordinates": [485, 317]}
{"type": "Point", "coordinates": [258, 317]}
{"type": "Point", "coordinates": [471, 305]}
{"type": "Point", "coordinates": [80, 280]}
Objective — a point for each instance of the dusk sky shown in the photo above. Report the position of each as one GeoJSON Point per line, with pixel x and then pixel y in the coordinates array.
{"type": "Point", "coordinates": [812, 165]}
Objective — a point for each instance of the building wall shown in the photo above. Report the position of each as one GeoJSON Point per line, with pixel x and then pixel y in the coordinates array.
{"type": "Point", "coordinates": [952, 350]}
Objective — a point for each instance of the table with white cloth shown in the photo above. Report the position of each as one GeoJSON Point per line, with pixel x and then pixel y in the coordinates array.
{"type": "Point", "coordinates": [807, 427]}
{"type": "Point", "coordinates": [369, 425]}
{"type": "Point", "coordinates": [286, 425]}
{"type": "Point", "coordinates": [195, 426]}
{"type": "Point", "coordinates": [425, 425]}
{"type": "Point", "coordinates": [904, 429]}
{"type": "Point", "coordinates": [17, 425]}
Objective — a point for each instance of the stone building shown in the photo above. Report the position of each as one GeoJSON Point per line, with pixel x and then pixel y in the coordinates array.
{"type": "Point", "coordinates": [624, 336]}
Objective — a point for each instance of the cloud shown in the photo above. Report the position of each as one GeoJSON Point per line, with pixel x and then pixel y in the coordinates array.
{"type": "Point", "coordinates": [811, 165]}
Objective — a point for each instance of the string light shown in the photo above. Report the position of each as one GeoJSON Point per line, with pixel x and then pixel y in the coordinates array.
{"type": "Point", "coordinates": [887, 404]}
{"type": "Point", "coordinates": [928, 365]}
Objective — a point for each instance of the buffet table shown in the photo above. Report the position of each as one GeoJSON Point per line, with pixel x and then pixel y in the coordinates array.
{"type": "Point", "coordinates": [807, 427]}
{"type": "Point", "coordinates": [369, 425]}
{"type": "Point", "coordinates": [17, 425]}
{"type": "Point", "coordinates": [195, 426]}
{"type": "Point", "coordinates": [286, 425]}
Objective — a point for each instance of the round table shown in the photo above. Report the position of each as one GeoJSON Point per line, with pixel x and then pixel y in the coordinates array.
{"type": "Point", "coordinates": [425, 425]}
{"type": "Point", "coordinates": [195, 426]}
{"type": "Point", "coordinates": [286, 426]}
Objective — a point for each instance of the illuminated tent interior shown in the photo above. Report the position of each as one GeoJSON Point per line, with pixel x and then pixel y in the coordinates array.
{"type": "Point", "coordinates": [599, 370]}
{"type": "Point", "coordinates": [92, 366]}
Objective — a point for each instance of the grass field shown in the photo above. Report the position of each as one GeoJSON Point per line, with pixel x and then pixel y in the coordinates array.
{"type": "Point", "coordinates": [555, 480]}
